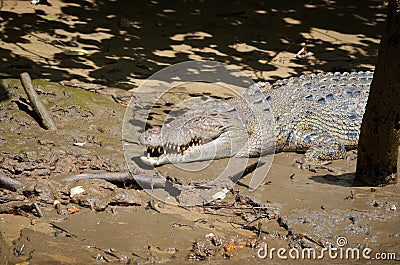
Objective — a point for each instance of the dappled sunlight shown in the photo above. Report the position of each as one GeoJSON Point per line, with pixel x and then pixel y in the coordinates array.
{"type": "Point", "coordinates": [291, 21]}
{"type": "Point", "coordinates": [261, 12]}
{"type": "Point", "coordinates": [155, 104]}
{"type": "Point", "coordinates": [191, 36]}
{"type": "Point", "coordinates": [117, 43]}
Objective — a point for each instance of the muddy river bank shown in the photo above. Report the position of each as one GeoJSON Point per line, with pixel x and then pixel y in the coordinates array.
{"type": "Point", "coordinates": [50, 221]}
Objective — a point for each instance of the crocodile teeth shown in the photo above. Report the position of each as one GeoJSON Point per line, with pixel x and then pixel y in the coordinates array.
{"type": "Point", "coordinates": [173, 149]}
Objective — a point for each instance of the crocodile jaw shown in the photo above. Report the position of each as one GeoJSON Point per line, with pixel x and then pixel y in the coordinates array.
{"type": "Point", "coordinates": [203, 152]}
{"type": "Point", "coordinates": [210, 131]}
{"type": "Point", "coordinates": [226, 142]}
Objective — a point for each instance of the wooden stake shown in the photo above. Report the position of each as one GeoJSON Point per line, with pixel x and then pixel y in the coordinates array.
{"type": "Point", "coordinates": [36, 103]}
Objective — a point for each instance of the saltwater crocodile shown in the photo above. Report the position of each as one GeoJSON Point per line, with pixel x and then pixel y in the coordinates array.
{"type": "Point", "coordinates": [320, 115]}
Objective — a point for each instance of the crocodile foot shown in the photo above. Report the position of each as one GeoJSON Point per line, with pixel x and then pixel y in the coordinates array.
{"type": "Point", "coordinates": [312, 164]}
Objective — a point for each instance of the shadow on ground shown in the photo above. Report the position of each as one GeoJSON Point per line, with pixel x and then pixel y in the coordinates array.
{"type": "Point", "coordinates": [133, 39]}
{"type": "Point", "coordinates": [345, 180]}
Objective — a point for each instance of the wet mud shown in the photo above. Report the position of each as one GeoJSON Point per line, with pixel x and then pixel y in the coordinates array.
{"type": "Point", "coordinates": [47, 220]}
{"type": "Point", "coordinates": [95, 221]}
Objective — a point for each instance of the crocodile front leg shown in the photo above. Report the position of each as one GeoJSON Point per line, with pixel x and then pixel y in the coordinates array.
{"type": "Point", "coordinates": [323, 149]}
{"type": "Point", "coordinates": [318, 148]}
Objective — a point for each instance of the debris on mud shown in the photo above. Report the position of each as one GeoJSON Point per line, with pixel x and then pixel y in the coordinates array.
{"type": "Point", "coordinates": [69, 184]}
{"type": "Point", "coordinates": [213, 246]}
{"type": "Point", "coordinates": [9, 183]}
{"type": "Point", "coordinates": [98, 194]}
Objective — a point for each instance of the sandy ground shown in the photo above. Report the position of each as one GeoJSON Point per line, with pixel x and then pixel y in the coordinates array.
{"type": "Point", "coordinates": [111, 48]}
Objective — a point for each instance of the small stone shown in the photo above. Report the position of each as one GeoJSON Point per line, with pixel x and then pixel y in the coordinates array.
{"type": "Point", "coordinates": [210, 235]}
{"type": "Point", "coordinates": [76, 191]}
{"type": "Point", "coordinates": [79, 144]}
{"type": "Point", "coordinates": [73, 210]}
{"type": "Point", "coordinates": [220, 195]}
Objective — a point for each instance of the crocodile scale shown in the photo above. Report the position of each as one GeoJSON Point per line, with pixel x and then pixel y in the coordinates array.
{"type": "Point", "coordinates": [319, 114]}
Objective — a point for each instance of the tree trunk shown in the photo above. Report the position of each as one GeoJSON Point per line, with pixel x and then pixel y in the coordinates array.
{"type": "Point", "coordinates": [378, 147]}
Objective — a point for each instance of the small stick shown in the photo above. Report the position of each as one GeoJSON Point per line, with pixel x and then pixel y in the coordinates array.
{"type": "Point", "coordinates": [38, 211]}
{"type": "Point", "coordinates": [20, 250]}
{"type": "Point", "coordinates": [314, 241]}
{"type": "Point", "coordinates": [109, 176]}
{"type": "Point", "coordinates": [9, 183]}
{"type": "Point", "coordinates": [234, 207]}
{"type": "Point", "coordinates": [6, 199]}
{"type": "Point", "coordinates": [62, 229]}
{"type": "Point", "coordinates": [36, 103]}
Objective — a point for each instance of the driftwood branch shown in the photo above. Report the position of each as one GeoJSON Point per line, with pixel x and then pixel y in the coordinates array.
{"type": "Point", "coordinates": [184, 194]}
{"type": "Point", "coordinates": [121, 177]}
{"type": "Point", "coordinates": [10, 183]}
{"type": "Point", "coordinates": [36, 103]}
{"type": "Point", "coordinates": [151, 182]}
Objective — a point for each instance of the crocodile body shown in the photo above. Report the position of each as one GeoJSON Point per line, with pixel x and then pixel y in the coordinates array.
{"type": "Point", "coordinates": [320, 115]}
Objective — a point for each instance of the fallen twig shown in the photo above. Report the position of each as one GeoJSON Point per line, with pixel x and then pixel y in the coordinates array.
{"type": "Point", "coordinates": [9, 183]}
{"type": "Point", "coordinates": [234, 207]}
{"type": "Point", "coordinates": [6, 199]}
{"type": "Point", "coordinates": [38, 211]}
{"type": "Point", "coordinates": [219, 214]}
{"type": "Point", "coordinates": [19, 252]}
{"type": "Point", "coordinates": [36, 103]}
{"type": "Point", "coordinates": [62, 229]}
{"type": "Point", "coordinates": [109, 176]}
{"type": "Point", "coordinates": [314, 241]}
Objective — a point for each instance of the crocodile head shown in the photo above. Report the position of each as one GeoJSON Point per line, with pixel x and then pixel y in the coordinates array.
{"type": "Point", "coordinates": [211, 130]}
{"type": "Point", "coordinates": [241, 127]}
